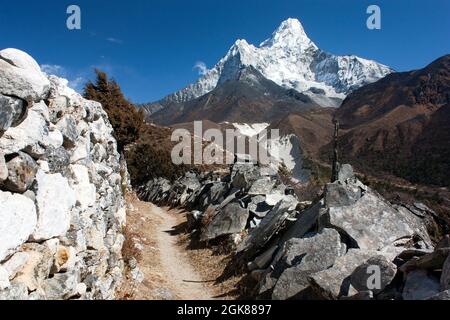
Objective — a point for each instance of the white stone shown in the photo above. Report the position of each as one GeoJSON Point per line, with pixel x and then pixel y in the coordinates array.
{"type": "Point", "coordinates": [32, 131]}
{"type": "Point", "coordinates": [3, 168]}
{"type": "Point", "coordinates": [54, 199]}
{"type": "Point", "coordinates": [21, 76]}
{"type": "Point", "coordinates": [15, 264]}
{"type": "Point", "coordinates": [4, 279]}
{"type": "Point", "coordinates": [81, 151]}
{"type": "Point", "coordinates": [101, 132]}
{"type": "Point", "coordinates": [17, 221]}
{"type": "Point", "coordinates": [55, 138]}
{"type": "Point", "coordinates": [44, 166]}
{"type": "Point", "coordinates": [121, 216]}
{"type": "Point", "coordinates": [80, 183]}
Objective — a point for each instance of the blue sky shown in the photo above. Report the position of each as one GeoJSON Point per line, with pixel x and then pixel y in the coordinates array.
{"type": "Point", "coordinates": [150, 47]}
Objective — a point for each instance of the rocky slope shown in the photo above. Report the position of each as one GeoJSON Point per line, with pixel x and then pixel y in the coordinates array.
{"type": "Point", "coordinates": [291, 60]}
{"type": "Point", "coordinates": [61, 202]}
{"type": "Point", "coordinates": [247, 98]}
{"type": "Point", "coordinates": [320, 250]}
{"type": "Point", "coordinates": [400, 125]}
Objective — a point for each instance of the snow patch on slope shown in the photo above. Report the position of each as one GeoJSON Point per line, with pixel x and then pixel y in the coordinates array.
{"type": "Point", "coordinates": [286, 150]}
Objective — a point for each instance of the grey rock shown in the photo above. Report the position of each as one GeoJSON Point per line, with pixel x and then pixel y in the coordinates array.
{"type": "Point", "coordinates": [305, 222]}
{"type": "Point", "coordinates": [68, 127]}
{"type": "Point", "coordinates": [445, 277]}
{"type": "Point", "coordinates": [304, 257]}
{"type": "Point", "coordinates": [16, 292]}
{"type": "Point", "coordinates": [337, 195]}
{"type": "Point", "coordinates": [360, 278]}
{"type": "Point", "coordinates": [335, 282]}
{"type": "Point", "coordinates": [244, 175]}
{"type": "Point", "coordinates": [58, 160]}
{"type": "Point", "coordinates": [229, 220]}
{"type": "Point", "coordinates": [444, 243]}
{"type": "Point", "coordinates": [431, 261]}
{"type": "Point", "coordinates": [444, 295]}
{"type": "Point", "coordinates": [22, 171]}
{"type": "Point", "coordinates": [262, 186]}
{"type": "Point", "coordinates": [12, 112]}
{"type": "Point", "coordinates": [263, 260]}
{"type": "Point", "coordinates": [345, 173]}
{"type": "Point", "coordinates": [62, 286]}
{"type": "Point", "coordinates": [268, 227]}
{"type": "Point", "coordinates": [420, 285]}
{"type": "Point", "coordinates": [372, 223]}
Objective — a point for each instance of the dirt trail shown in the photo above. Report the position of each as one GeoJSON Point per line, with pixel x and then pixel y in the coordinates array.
{"type": "Point", "coordinates": [168, 273]}
{"type": "Point", "coordinates": [175, 263]}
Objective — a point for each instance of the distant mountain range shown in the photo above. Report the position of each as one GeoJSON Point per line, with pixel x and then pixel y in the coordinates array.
{"type": "Point", "coordinates": [287, 70]}
{"type": "Point", "coordinates": [401, 125]}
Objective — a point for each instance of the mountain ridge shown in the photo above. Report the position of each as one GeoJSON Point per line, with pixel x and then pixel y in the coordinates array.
{"type": "Point", "coordinates": [291, 60]}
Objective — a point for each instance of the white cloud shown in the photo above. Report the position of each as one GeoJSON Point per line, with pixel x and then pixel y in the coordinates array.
{"type": "Point", "coordinates": [114, 40]}
{"type": "Point", "coordinates": [76, 81]}
{"type": "Point", "coordinates": [201, 67]}
{"type": "Point", "coordinates": [54, 69]}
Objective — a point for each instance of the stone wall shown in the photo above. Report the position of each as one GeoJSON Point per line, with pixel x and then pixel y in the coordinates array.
{"type": "Point", "coordinates": [61, 204]}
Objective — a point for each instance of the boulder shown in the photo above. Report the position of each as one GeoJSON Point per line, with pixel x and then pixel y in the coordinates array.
{"type": "Point", "coordinates": [337, 195]}
{"type": "Point", "coordinates": [269, 226]}
{"type": "Point", "coordinates": [30, 134]}
{"type": "Point", "coordinates": [12, 112]}
{"type": "Point", "coordinates": [335, 282]}
{"type": "Point", "coordinates": [372, 223]}
{"type": "Point", "coordinates": [54, 199]}
{"type": "Point", "coordinates": [420, 285]}
{"type": "Point", "coordinates": [21, 76]}
{"type": "Point", "coordinates": [21, 172]}
{"type": "Point", "coordinates": [304, 257]}
{"type": "Point", "coordinates": [229, 220]}
{"type": "Point", "coordinates": [361, 278]}
{"type": "Point", "coordinates": [17, 221]}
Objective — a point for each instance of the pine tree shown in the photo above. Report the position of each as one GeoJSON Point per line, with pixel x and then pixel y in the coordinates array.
{"type": "Point", "coordinates": [125, 119]}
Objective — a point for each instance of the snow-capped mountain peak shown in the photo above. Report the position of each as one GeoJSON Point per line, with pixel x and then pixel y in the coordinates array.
{"type": "Point", "coordinates": [292, 60]}
{"type": "Point", "coordinates": [289, 34]}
